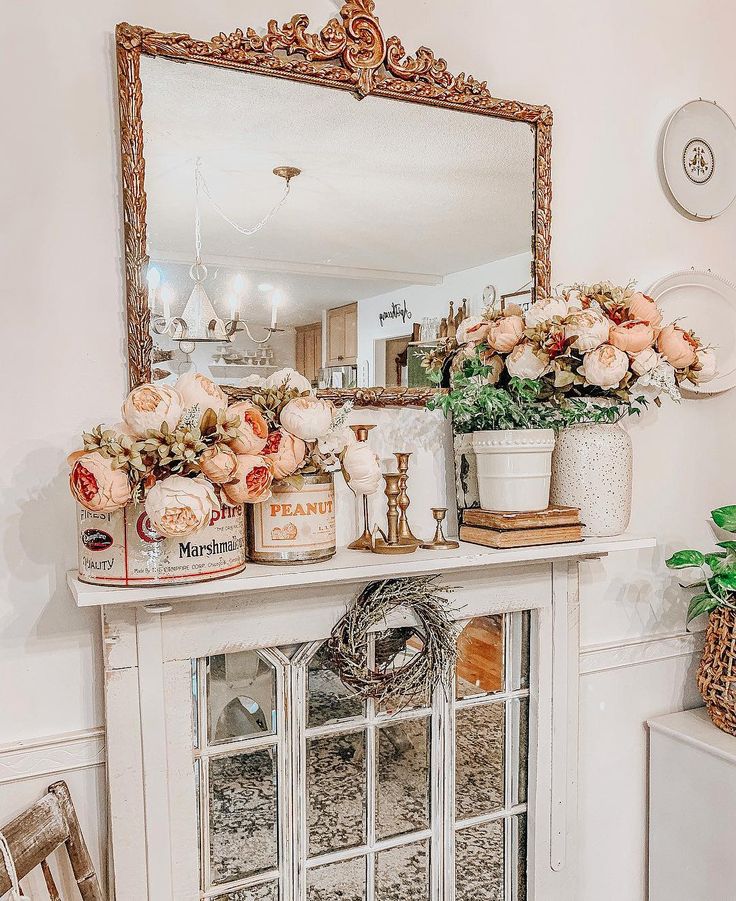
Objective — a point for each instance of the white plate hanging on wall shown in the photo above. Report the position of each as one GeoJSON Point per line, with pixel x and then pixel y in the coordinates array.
{"type": "Point", "coordinates": [707, 303]}
{"type": "Point", "coordinates": [699, 158]}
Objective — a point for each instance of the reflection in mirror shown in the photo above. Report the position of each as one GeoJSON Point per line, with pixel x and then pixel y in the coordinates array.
{"type": "Point", "coordinates": [269, 892]}
{"type": "Point", "coordinates": [394, 649]}
{"type": "Point", "coordinates": [402, 217]}
{"type": "Point", "coordinates": [520, 638]}
{"type": "Point", "coordinates": [241, 696]}
{"type": "Point", "coordinates": [336, 792]}
{"type": "Point", "coordinates": [520, 839]}
{"type": "Point", "coordinates": [479, 668]}
{"type": "Point", "coordinates": [243, 831]}
{"type": "Point", "coordinates": [329, 699]}
{"type": "Point", "coordinates": [402, 874]}
{"type": "Point", "coordinates": [344, 880]}
{"type": "Point", "coordinates": [479, 775]}
{"type": "Point", "coordinates": [479, 862]}
{"type": "Point", "coordinates": [403, 799]}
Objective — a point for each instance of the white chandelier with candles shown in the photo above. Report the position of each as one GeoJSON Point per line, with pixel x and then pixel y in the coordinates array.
{"type": "Point", "coordinates": [199, 321]}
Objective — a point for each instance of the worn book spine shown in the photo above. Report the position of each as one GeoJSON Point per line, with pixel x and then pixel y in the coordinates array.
{"type": "Point", "coordinates": [552, 516]}
{"type": "Point", "coordinates": [520, 537]}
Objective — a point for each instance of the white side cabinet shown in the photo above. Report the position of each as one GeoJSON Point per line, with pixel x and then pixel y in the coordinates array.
{"type": "Point", "coordinates": [692, 822]}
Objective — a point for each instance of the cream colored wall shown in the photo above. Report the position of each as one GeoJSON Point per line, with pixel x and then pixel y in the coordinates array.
{"type": "Point", "coordinates": [613, 72]}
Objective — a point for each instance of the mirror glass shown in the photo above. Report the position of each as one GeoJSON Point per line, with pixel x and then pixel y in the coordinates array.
{"type": "Point", "coordinates": [404, 219]}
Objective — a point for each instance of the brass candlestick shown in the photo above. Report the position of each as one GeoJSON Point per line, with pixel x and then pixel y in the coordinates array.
{"type": "Point", "coordinates": [406, 535]}
{"type": "Point", "coordinates": [439, 542]}
{"type": "Point", "coordinates": [389, 542]}
{"type": "Point", "coordinates": [363, 542]}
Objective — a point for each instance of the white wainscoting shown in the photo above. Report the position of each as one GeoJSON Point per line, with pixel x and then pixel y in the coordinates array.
{"type": "Point", "coordinates": [617, 655]}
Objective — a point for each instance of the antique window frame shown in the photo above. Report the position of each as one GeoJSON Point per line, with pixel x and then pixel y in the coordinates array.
{"type": "Point", "coordinates": [349, 53]}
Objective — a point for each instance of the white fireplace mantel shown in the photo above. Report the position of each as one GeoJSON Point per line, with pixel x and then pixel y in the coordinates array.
{"type": "Point", "coordinates": [152, 635]}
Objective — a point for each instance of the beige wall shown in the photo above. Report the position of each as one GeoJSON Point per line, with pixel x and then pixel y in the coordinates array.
{"type": "Point", "coordinates": [613, 70]}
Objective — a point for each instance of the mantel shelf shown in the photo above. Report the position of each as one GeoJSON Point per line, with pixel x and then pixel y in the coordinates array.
{"type": "Point", "coordinates": [352, 566]}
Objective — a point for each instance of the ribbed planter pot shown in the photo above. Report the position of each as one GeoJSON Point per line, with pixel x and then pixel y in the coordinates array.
{"type": "Point", "coordinates": [717, 671]}
{"type": "Point", "coordinates": [592, 468]}
{"type": "Point", "coordinates": [514, 468]}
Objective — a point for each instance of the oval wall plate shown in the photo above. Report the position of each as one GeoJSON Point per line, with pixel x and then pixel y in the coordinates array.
{"type": "Point", "coordinates": [699, 158]}
{"type": "Point", "coordinates": [708, 304]}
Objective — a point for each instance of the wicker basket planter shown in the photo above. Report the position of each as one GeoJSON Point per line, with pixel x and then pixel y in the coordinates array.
{"type": "Point", "coordinates": [717, 671]}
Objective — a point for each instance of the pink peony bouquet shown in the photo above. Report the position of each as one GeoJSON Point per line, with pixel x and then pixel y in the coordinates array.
{"type": "Point", "coordinates": [184, 452]}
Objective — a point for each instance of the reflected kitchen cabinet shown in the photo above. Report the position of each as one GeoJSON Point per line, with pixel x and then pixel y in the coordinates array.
{"type": "Point", "coordinates": [342, 335]}
{"type": "Point", "coordinates": [309, 350]}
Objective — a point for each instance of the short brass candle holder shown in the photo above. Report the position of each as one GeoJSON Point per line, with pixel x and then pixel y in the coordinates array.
{"type": "Point", "coordinates": [388, 542]}
{"type": "Point", "coordinates": [406, 536]}
{"type": "Point", "coordinates": [439, 542]}
{"type": "Point", "coordinates": [363, 542]}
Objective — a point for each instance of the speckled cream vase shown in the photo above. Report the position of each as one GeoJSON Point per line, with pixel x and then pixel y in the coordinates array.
{"type": "Point", "coordinates": [592, 469]}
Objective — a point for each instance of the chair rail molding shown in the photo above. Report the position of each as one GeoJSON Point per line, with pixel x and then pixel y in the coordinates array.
{"type": "Point", "coordinates": [51, 756]}
{"type": "Point", "coordinates": [597, 658]}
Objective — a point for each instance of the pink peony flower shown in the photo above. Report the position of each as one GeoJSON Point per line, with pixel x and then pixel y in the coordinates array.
{"type": "Point", "coordinates": [605, 366]}
{"type": "Point", "coordinates": [218, 464]}
{"type": "Point", "coordinates": [149, 407]}
{"type": "Point", "coordinates": [677, 346]}
{"type": "Point", "coordinates": [632, 336]}
{"type": "Point", "coordinates": [524, 363]}
{"type": "Point", "coordinates": [252, 431]}
{"type": "Point", "coordinates": [96, 485]}
{"type": "Point", "coordinates": [253, 478]}
{"type": "Point", "coordinates": [363, 469]}
{"type": "Point", "coordinates": [285, 453]}
{"type": "Point", "coordinates": [472, 330]}
{"type": "Point", "coordinates": [197, 390]}
{"type": "Point", "coordinates": [589, 328]}
{"type": "Point", "coordinates": [645, 308]}
{"type": "Point", "coordinates": [307, 417]}
{"type": "Point", "coordinates": [505, 333]}
{"type": "Point", "coordinates": [178, 506]}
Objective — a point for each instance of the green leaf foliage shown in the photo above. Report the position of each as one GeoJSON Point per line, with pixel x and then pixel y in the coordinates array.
{"type": "Point", "coordinates": [684, 559]}
{"type": "Point", "coordinates": [728, 545]}
{"type": "Point", "coordinates": [726, 578]}
{"type": "Point", "coordinates": [701, 603]}
{"type": "Point", "coordinates": [725, 518]}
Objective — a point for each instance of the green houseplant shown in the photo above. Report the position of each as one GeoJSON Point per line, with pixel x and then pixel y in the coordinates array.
{"type": "Point", "coordinates": [716, 596]}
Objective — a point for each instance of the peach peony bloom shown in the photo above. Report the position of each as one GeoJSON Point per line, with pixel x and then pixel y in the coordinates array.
{"type": "Point", "coordinates": [197, 390]}
{"type": "Point", "coordinates": [307, 417]}
{"type": "Point", "coordinates": [472, 330]}
{"type": "Point", "coordinates": [149, 407]}
{"type": "Point", "coordinates": [677, 346]}
{"type": "Point", "coordinates": [505, 333]}
{"type": "Point", "coordinates": [178, 506]}
{"type": "Point", "coordinates": [589, 328]}
{"type": "Point", "coordinates": [707, 366]}
{"type": "Point", "coordinates": [218, 464]}
{"type": "Point", "coordinates": [253, 479]}
{"type": "Point", "coordinates": [252, 431]}
{"type": "Point", "coordinates": [632, 336]}
{"type": "Point", "coordinates": [547, 308]}
{"type": "Point", "coordinates": [645, 361]}
{"type": "Point", "coordinates": [643, 307]}
{"type": "Point", "coordinates": [289, 378]}
{"type": "Point", "coordinates": [362, 468]}
{"type": "Point", "coordinates": [605, 366]}
{"type": "Point", "coordinates": [96, 485]}
{"type": "Point", "coordinates": [285, 453]}
{"type": "Point", "coordinates": [524, 363]}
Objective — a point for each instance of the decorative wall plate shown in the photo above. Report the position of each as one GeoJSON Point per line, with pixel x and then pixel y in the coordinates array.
{"type": "Point", "coordinates": [699, 158]}
{"type": "Point", "coordinates": [709, 303]}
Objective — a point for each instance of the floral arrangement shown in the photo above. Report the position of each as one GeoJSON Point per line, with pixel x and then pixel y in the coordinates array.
{"type": "Point", "coordinates": [184, 452]}
{"type": "Point", "coordinates": [585, 342]}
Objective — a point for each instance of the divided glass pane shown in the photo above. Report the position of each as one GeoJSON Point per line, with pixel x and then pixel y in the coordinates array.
{"type": "Point", "coordinates": [519, 893]}
{"type": "Point", "coordinates": [329, 700]}
{"type": "Point", "coordinates": [479, 752]}
{"type": "Point", "coordinates": [521, 631]}
{"type": "Point", "coordinates": [336, 792]}
{"type": "Point", "coordinates": [480, 657]}
{"type": "Point", "coordinates": [402, 874]}
{"type": "Point", "coordinates": [394, 649]}
{"type": "Point", "coordinates": [268, 892]}
{"type": "Point", "coordinates": [241, 697]}
{"type": "Point", "coordinates": [243, 818]}
{"type": "Point", "coordinates": [343, 881]}
{"type": "Point", "coordinates": [403, 777]}
{"type": "Point", "coordinates": [479, 863]}
{"type": "Point", "coordinates": [523, 750]}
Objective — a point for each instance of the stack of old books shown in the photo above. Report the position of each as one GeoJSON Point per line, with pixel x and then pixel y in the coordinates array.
{"type": "Point", "coordinates": [555, 525]}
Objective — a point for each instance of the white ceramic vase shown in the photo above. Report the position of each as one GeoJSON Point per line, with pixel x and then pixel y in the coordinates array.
{"type": "Point", "coordinates": [514, 468]}
{"type": "Point", "coordinates": [592, 468]}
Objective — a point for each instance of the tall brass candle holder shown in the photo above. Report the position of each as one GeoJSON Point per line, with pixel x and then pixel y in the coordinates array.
{"type": "Point", "coordinates": [439, 542]}
{"type": "Point", "coordinates": [363, 542]}
{"type": "Point", "coordinates": [388, 542]}
{"type": "Point", "coordinates": [406, 535]}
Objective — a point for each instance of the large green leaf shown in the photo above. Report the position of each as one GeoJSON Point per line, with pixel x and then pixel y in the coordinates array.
{"type": "Point", "coordinates": [715, 561]}
{"type": "Point", "coordinates": [701, 603]}
{"type": "Point", "coordinates": [727, 579]}
{"type": "Point", "coordinates": [728, 545]}
{"type": "Point", "coordinates": [725, 518]}
{"type": "Point", "coordinates": [683, 559]}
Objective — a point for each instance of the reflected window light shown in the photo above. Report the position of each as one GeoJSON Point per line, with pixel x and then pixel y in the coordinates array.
{"type": "Point", "coordinates": [265, 287]}
{"type": "Point", "coordinates": [153, 277]}
{"type": "Point", "coordinates": [239, 283]}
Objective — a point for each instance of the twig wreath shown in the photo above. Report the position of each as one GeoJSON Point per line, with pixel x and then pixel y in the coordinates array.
{"type": "Point", "coordinates": [430, 666]}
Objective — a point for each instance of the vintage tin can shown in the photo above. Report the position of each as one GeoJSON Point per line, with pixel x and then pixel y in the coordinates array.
{"type": "Point", "coordinates": [122, 549]}
{"type": "Point", "coordinates": [297, 525]}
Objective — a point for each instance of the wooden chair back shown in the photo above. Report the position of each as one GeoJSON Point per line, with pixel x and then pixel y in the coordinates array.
{"type": "Point", "coordinates": [38, 832]}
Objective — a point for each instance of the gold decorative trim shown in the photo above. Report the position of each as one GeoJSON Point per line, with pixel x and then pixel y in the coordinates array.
{"type": "Point", "coordinates": [350, 53]}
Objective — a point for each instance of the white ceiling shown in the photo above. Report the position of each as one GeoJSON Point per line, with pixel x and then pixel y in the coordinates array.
{"type": "Point", "coordinates": [388, 188]}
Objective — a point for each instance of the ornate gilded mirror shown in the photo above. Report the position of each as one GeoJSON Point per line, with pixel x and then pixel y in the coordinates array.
{"type": "Point", "coordinates": [271, 223]}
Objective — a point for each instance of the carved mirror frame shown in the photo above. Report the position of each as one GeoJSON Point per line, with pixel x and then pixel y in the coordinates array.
{"type": "Point", "coordinates": [349, 53]}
